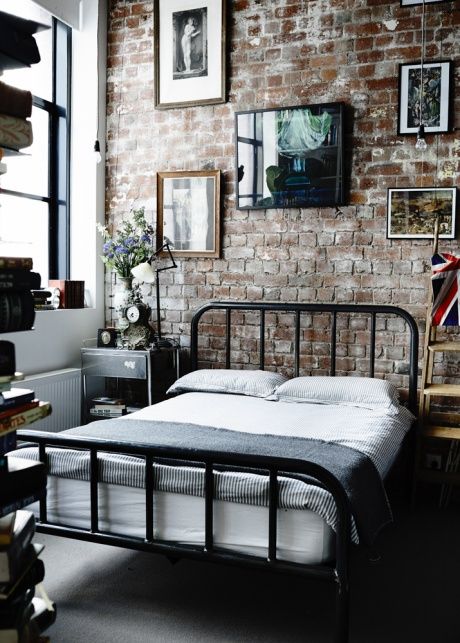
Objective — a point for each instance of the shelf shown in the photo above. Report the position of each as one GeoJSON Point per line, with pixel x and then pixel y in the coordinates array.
{"type": "Point", "coordinates": [444, 347]}
{"type": "Point", "coordinates": [441, 432]}
{"type": "Point", "coordinates": [442, 390]}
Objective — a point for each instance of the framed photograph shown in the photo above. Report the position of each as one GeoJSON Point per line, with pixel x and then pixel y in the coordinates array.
{"type": "Point", "coordinates": [412, 3]}
{"type": "Point", "coordinates": [435, 100]}
{"type": "Point", "coordinates": [188, 212]}
{"type": "Point", "coordinates": [189, 52]}
{"type": "Point", "coordinates": [411, 212]}
{"type": "Point", "coordinates": [290, 157]}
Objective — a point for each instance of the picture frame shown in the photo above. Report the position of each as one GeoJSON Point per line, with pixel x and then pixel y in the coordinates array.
{"type": "Point", "coordinates": [290, 157]}
{"type": "Point", "coordinates": [189, 52]}
{"type": "Point", "coordinates": [414, 3]}
{"type": "Point", "coordinates": [411, 212]}
{"type": "Point", "coordinates": [436, 98]}
{"type": "Point", "coordinates": [188, 212]}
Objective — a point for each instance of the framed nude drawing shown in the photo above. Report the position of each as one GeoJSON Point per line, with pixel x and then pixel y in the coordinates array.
{"type": "Point", "coordinates": [189, 52]}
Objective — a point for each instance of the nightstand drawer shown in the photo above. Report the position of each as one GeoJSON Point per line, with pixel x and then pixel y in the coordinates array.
{"type": "Point", "coordinates": [125, 364]}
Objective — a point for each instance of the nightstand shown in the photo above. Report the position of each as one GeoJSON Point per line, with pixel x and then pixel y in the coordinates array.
{"type": "Point", "coordinates": [139, 377]}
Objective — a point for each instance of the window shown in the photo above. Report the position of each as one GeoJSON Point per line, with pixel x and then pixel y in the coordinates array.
{"type": "Point", "coordinates": [34, 213]}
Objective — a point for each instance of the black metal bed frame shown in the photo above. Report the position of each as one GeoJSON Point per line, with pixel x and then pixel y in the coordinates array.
{"type": "Point", "coordinates": [336, 571]}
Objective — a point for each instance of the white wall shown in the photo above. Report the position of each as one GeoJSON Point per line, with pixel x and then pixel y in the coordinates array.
{"type": "Point", "coordinates": [56, 341]}
{"type": "Point", "coordinates": [66, 10]}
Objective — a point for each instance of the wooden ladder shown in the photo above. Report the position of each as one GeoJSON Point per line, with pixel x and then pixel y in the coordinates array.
{"type": "Point", "coordinates": [439, 426]}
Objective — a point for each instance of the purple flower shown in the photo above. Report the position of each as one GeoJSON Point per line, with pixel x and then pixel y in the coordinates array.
{"type": "Point", "coordinates": [121, 250]}
{"type": "Point", "coordinates": [107, 247]}
{"type": "Point", "coordinates": [145, 238]}
{"type": "Point", "coordinates": [130, 241]}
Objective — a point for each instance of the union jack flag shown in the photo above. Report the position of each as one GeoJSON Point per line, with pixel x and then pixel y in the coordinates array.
{"type": "Point", "coordinates": [445, 277]}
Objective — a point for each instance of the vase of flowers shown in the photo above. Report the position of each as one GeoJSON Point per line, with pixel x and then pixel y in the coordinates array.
{"type": "Point", "coordinates": [123, 250]}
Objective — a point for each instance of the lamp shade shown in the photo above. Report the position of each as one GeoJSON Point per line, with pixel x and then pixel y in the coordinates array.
{"type": "Point", "coordinates": [143, 272]}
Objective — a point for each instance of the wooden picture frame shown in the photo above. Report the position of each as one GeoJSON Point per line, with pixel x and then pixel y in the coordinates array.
{"type": "Point", "coordinates": [188, 212]}
{"type": "Point", "coordinates": [189, 52]}
{"type": "Point", "coordinates": [416, 3]}
{"type": "Point", "coordinates": [411, 212]}
{"type": "Point", "coordinates": [436, 99]}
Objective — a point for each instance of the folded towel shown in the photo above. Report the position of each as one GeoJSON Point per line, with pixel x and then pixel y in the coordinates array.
{"type": "Point", "coordinates": [15, 133]}
{"type": "Point", "coordinates": [15, 102]}
{"type": "Point", "coordinates": [16, 39]}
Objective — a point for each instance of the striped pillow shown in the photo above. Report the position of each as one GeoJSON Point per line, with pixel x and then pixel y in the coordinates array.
{"type": "Point", "coordinates": [365, 392]}
{"type": "Point", "coordinates": [253, 383]}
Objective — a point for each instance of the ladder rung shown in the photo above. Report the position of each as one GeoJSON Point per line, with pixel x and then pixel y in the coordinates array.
{"type": "Point", "coordinates": [446, 390]}
{"type": "Point", "coordinates": [444, 346]}
{"type": "Point", "coordinates": [442, 432]}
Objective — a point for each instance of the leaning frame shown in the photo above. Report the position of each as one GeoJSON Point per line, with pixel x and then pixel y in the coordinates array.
{"type": "Point", "coordinates": [336, 572]}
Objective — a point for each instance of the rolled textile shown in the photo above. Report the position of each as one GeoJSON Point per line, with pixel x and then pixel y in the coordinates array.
{"type": "Point", "coordinates": [14, 101]}
{"type": "Point", "coordinates": [15, 133]}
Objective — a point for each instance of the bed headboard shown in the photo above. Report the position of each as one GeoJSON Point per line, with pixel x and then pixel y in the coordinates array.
{"type": "Point", "coordinates": [371, 311]}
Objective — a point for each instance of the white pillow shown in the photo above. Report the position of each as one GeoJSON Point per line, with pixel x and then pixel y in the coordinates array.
{"type": "Point", "coordinates": [254, 383]}
{"type": "Point", "coordinates": [365, 392]}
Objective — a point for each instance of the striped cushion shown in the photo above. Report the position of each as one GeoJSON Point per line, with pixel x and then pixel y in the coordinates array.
{"type": "Point", "coordinates": [365, 392]}
{"type": "Point", "coordinates": [253, 383]}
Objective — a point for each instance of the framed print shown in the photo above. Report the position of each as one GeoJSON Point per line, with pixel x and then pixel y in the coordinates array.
{"type": "Point", "coordinates": [189, 52]}
{"type": "Point", "coordinates": [411, 212]}
{"type": "Point", "coordinates": [290, 157]}
{"type": "Point", "coordinates": [188, 212]}
{"type": "Point", "coordinates": [435, 99]}
{"type": "Point", "coordinates": [411, 3]}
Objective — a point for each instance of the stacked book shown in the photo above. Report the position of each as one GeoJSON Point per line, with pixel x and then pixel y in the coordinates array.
{"type": "Point", "coordinates": [16, 300]}
{"type": "Point", "coordinates": [71, 292]}
{"type": "Point", "coordinates": [43, 299]}
{"type": "Point", "coordinates": [108, 407]}
{"type": "Point", "coordinates": [23, 615]}
{"type": "Point", "coordinates": [18, 406]}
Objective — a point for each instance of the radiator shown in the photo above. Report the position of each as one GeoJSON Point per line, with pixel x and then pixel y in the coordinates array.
{"type": "Point", "coordinates": [61, 388]}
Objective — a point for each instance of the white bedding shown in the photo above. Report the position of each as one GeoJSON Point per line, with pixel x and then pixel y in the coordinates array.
{"type": "Point", "coordinates": [303, 535]}
{"type": "Point", "coordinates": [373, 432]}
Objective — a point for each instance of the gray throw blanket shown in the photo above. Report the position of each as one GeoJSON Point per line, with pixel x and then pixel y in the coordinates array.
{"type": "Point", "coordinates": [353, 469]}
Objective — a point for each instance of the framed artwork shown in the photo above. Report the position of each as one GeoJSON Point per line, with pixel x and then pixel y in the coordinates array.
{"type": "Point", "coordinates": [412, 3]}
{"type": "Point", "coordinates": [188, 212]}
{"type": "Point", "coordinates": [411, 212]}
{"type": "Point", "coordinates": [290, 157]}
{"type": "Point", "coordinates": [435, 101]}
{"type": "Point", "coordinates": [189, 52]}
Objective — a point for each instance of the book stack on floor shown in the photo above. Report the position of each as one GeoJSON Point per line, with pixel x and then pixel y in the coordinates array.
{"type": "Point", "coordinates": [108, 407]}
{"type": "Point", "coordinates": [23, 615]}
{"type": "Point", "coordinates": [16, 300]}
{"type": "Point", "coordinates": [18, 406]}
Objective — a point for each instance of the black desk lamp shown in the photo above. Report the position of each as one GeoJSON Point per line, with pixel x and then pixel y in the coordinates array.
{"type": "Point", "coordinates": [144, 272]}
{"type": "Point", "coordinates": [159, 341]}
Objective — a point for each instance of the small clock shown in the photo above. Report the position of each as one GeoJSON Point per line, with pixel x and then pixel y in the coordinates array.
{"type": "Point", "coordinates": [107, 338]}
{"type": "Point", "coordinates": [138, 333]}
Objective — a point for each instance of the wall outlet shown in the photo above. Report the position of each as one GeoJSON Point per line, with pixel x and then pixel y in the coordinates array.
{"type": "Point", "coordinates": [433, 461]}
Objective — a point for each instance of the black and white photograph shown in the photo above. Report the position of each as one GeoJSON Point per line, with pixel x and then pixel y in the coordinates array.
{"type": "Point", "coordinates": [424, 97]}
{"type": "Point", "coordinates": [190, 43]}
{"type": "Point", "coordinates": [412, 213]}
{"type": "Point", "coordinates": [189, 53]}
{"type": "Point", "coordinates": [188, 212]}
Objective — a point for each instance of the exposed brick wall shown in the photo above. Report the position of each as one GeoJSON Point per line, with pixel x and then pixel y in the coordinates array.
{"type": "Point", "coordinates": [286, 52]}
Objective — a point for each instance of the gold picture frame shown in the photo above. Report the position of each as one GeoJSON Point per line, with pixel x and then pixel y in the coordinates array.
{"type": "Point", "coordinates": [188, 212]}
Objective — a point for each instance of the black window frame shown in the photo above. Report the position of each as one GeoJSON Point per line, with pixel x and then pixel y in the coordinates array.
{"type": "Point", "coordinates": [58, 110]}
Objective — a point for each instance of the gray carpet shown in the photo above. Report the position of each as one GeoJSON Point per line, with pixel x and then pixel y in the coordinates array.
{"type": "Point", "coordinates": [105, 594]}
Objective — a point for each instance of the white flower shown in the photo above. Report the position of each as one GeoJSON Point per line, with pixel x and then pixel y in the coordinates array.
{"type": "Point", "coordinates": [143, 272]}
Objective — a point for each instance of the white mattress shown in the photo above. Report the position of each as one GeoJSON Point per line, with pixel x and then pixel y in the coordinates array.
{"type": "Point", "coordinates": [303, 536]}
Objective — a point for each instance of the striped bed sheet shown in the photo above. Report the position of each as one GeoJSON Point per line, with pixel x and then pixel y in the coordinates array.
{"type": "Point", "coordinates": [374, 432]}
